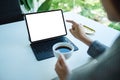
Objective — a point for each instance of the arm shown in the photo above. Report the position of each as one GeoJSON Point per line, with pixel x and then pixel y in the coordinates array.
{"type": "Point", "coordinates": [107, 68]}
{"type": "Point", "coordinates": [78, 32]}
{"type": "Point", "coordinates": [80, 73]}
{"type": "Point", "coordinates": [95, 48]}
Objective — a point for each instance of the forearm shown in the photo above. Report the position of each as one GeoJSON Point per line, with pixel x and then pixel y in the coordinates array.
{"type": "Point", "coordinates": [95, 47]}
{"type": "Point", "coordinates": [86, 40]}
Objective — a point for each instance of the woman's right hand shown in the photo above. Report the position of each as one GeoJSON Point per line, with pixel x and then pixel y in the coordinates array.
{"type": "Point", "coordinates": [78, 32]}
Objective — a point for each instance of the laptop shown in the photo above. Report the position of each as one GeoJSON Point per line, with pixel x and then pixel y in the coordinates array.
{"type": "Point", "coordinates": [45, 29]}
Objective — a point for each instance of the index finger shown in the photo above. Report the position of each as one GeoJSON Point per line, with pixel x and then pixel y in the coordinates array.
{"type": "Point", "coordinates": [71, 21]}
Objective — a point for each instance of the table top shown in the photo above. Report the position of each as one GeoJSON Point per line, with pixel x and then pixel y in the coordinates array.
{"type": "Point", "coordinates": [17, 60]}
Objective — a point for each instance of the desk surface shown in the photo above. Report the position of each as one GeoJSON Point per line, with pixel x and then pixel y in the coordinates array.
{"type": "Point", "coordinates": [17, 61]}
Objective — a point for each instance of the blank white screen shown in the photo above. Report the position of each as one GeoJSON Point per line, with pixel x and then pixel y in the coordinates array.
{"type": "Point", "coordinates": [45, 25]}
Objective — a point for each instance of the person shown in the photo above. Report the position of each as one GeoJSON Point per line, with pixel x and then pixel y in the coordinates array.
{"type": "Point", "coordinates": [108, 59]}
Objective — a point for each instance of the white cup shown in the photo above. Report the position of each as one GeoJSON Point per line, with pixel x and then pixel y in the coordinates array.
{"type": "Point", "coordinates": [64, 48]}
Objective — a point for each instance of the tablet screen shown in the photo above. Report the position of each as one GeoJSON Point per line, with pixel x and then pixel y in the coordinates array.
{"type": "Point", "coordinates": [45, 25]}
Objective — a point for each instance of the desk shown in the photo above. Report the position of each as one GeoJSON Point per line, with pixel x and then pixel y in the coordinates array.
{"type": "Point", "coordinates": [17, 61]}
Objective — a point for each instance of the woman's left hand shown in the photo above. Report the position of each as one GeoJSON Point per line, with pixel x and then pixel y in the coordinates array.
{"type": "Point", "coordinates": [61, 68]}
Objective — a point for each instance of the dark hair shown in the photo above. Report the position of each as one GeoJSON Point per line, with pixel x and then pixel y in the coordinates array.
{"type": "Point", "coordinates": [116, 4]}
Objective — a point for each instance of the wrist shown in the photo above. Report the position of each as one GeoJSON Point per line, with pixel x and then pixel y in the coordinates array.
{"type": "Point", "coordinates": [86, 40]}
{"type": "Point", "coordinates": [62, 79]}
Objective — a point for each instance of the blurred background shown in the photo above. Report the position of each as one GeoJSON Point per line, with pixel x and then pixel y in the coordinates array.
{"type": "Point", "coordinates": [88, 8]}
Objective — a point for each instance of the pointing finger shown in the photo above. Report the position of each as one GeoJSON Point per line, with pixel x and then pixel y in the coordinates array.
{"type": "Point", "coordinates": [71, 21]}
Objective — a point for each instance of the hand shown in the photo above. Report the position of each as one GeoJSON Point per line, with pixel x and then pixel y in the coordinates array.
{"type": "Point", "coordinates": [61, 68]}
{"type": "Point", "coordinates": [78, 32]}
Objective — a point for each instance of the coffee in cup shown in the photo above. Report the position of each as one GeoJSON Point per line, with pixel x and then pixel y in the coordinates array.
{"type": "Point", "coordinates": [64, 48]}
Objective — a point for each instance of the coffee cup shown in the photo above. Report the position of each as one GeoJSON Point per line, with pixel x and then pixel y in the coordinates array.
{"type": "Point", "coordinates": [64, 48]}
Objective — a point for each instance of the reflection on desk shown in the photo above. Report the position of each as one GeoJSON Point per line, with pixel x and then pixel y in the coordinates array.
{"type": "Point", "coordinates": [17, 61]}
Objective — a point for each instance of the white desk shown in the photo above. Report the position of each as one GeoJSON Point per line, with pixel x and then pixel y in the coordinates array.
{"type": "Point", "coordinates": [17, 61]}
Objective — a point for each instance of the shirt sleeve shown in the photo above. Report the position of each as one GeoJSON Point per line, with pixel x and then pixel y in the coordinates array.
{"type": "Point", "coordinates": [96, 48]}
